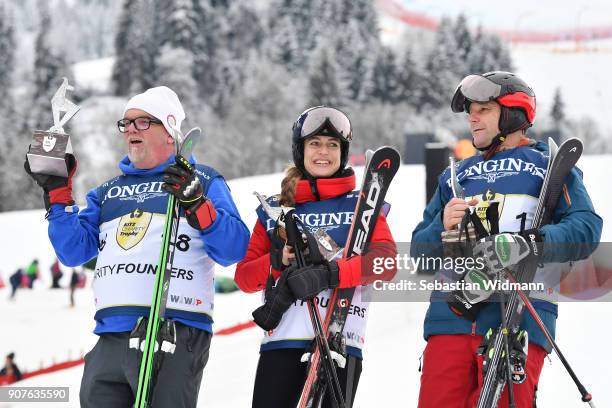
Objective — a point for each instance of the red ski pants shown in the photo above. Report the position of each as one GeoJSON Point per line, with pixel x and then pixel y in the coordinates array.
{"type": "Point", "coordinates": [452, 374]}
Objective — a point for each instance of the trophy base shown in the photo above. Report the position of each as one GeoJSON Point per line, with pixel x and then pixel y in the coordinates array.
{"type": "Point", "coordinates": [47, 153]}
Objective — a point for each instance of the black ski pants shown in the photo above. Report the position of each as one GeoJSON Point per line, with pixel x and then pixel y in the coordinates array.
{"type": "Point", "coordinates": [110, 378]}
{"type": "Point", "coordinates": [281, 375]}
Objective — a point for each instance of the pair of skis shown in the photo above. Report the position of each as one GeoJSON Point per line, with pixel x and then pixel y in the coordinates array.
{"type": "Point", "coordinates": [496, 364]}
{"type": "Point", "coordinates": [183, 147]}
{"type": "Point", "coordinates": [295, 238]}
{"type": "Point", "coordinates": [380, 169]}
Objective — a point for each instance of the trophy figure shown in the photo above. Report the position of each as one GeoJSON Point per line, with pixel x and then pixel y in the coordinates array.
{"type": "Point", "coordinates": [48, 149]}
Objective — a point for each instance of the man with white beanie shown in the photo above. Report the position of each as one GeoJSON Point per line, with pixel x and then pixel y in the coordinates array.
{"type": "Point", "coordinates": [122, 225]}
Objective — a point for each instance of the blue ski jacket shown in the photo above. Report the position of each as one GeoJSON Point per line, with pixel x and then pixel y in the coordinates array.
{"type": "Point", "coordinates": [513, 178]}
{"type": "Point", "coordinates": [76, 237]}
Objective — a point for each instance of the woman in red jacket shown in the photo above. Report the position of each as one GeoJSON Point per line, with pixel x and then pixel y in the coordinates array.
{"type": "Point", "coordinates": [321, 189]}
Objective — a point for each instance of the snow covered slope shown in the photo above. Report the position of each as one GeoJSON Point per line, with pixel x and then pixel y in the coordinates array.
{"type": "Point", "coordinates": [39, 326]}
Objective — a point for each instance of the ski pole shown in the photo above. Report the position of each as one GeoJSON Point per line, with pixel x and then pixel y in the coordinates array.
{"type": "Point", "coordinates": [294, 238]}
{"type": "Point", "coordinates": [505, 331]}
{"type": "Point", "coordinates": [586, 396]}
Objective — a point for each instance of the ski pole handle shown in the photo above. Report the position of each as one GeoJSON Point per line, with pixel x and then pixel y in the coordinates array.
{"type": "Point", "coordinates": [294, 238]}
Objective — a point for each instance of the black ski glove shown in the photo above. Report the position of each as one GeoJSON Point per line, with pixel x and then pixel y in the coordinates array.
{"type": "Point", "coordinates": [56, 189]}
{"type": "Point", "coordinates": [276, 250]}
{"type": "Point", "coordinates": [181, 181]}
{"type": "Point", "coordinates": [308, 281]}
{"type": "Point", "coordinates": [278, 300]}
{"type": "Point", "coordinates": [498, 251]}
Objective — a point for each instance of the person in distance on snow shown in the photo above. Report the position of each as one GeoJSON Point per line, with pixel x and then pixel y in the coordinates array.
{"type": "Point", "coordinates": [10, 368]}
{"type": "Point", "coordinates": [122, 225]}
{"type": "Point", "coordinates": [321, 189]}
{"type": "Point", "coordinates": [500, 108]}
{"type": "Point", "coordinates": [32, 272]}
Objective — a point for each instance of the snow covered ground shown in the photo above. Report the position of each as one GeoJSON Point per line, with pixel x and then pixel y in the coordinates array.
{"type": "Point", "coordinates": [40, 327]}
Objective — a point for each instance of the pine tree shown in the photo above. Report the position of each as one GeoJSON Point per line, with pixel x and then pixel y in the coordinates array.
{"type": "Point", "coordinates": [7, 60]}
{"type": "Point", "coordinates": [295, 27]}
{"type": "Point", "coordinates": [259, 120]}
{"type": "Point", "coordinates": [322, 79]}
{"type": "Point", "coordinates": [488, 53]}
{"type": "Point", "coordinates": [357, 56]}
{"type": "Point", "coordinates": [557, 111]}
{"type": "Point", "coordinates": [176, 24]}
{"type": "Point", "coordinates": [13, 142]}
{"type": "Point", "coordinates": [441, 75]}
{"type": "Point", "coordinates": [135, 54]}
{"type": "Point", "coordinates": [175, 70]}
{"type": "Point", "coordinates": [386, 76]}
{"type": "Point", "coordinates": [410, 76]}
{"type": "Point", "coordinates": [464, 45]}
{"type": "Point", "coordinates": [357, 46]}
{"type": "Point", "coordinates": [121, 77]}
{"type": "Point", "coordinates": [180, 45]}
{"type": "Point", "coordinates": [205, 46]}
{"type": "Point", "coordinates": [245, 30]}
{"type": "Point", "coordinates": [228, 76]}
{"type": "Point", "coordinates": [215, 68]}
{"type": "Point", "coordinates": [49, 69]}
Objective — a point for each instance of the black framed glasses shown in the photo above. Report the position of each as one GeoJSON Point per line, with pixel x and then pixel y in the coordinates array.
{"type": "Point", "coordinates": [141, 123]}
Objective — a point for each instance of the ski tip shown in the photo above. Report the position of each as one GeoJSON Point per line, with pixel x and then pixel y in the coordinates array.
{"type": "Point", "coordinates": [387, 148]}
{"type": "Point", "coordinates": [192, 133]}
{"type": "Point", "coordinates": [575, 142]}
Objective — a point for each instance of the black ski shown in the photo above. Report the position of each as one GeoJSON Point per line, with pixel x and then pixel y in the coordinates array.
{"type": "Point", "coordinates": [378, 174]}
{"type": "Point", "coordinates": [561, 161]}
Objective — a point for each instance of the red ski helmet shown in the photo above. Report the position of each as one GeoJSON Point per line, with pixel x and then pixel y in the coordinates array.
{"type": "Point", "coordinates": [516, 98]}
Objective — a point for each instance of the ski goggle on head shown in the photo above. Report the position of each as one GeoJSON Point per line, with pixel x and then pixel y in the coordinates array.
{"type": "Point", "coordinates": [474, 88]}
{"type": "Point", "coordinates": [325, 121]}
{"type": "Point", "coordinates": [477, 88]}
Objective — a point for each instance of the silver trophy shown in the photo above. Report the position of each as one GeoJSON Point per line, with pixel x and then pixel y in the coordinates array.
{"type": "Point", "coordinates": [327, 246]}
{"type": "Point", "coordinates": [48, 148]}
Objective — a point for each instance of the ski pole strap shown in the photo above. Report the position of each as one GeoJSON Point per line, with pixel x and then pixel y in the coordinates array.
{"type": "Point", "coordinates": [463, 226]}
{"type": "Point", "coordinates": [166, 336]}
{"type": "Point", "coordinates": [294, 237]}
{"type": "Point", "coordinates": [481, 231]}
{"type": "Point", "coordinates": [138, 334]}
{"type": "Point", "coordinates": [492, 216]}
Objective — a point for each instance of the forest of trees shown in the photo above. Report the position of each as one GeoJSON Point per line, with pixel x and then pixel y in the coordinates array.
{"type": "Point", "coordinates": [244, 73]}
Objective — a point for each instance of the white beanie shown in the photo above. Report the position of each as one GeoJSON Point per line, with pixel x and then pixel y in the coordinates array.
{"type": "Point", "coordinates": [162, 103]}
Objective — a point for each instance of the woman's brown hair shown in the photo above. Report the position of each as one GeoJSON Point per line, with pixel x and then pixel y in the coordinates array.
{"type": "Point", "coordinates": [287, 195]}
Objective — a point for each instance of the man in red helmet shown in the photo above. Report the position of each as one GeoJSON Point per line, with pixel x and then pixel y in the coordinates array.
{"type": "Point", "coordinates": [512, 103]}
{"type": "Point", "coordinates": [502, 186]}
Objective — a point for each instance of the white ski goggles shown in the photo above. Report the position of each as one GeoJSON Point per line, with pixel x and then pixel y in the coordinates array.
{"type": "Point", "coordinates": [474, 88]}
{"type": "Point", "coordinates": [323, 120]}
